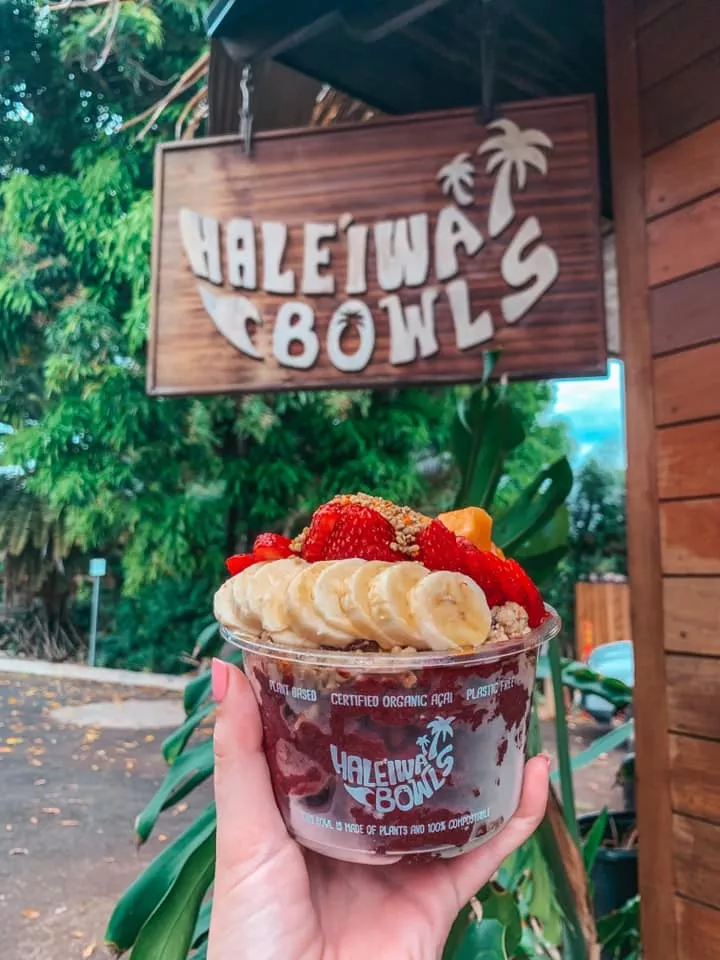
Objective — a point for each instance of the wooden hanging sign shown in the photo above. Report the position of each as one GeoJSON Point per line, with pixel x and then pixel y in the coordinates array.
{"type": "Point", "coordinates": [386, 253]}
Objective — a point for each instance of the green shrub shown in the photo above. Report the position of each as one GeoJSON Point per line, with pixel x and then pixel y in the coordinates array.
{"type": "Point", "coordinates": [153, 629]}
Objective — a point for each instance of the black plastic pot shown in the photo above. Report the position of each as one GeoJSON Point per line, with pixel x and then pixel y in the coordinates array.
{"type": "Point", "coordinates": [615, 872]}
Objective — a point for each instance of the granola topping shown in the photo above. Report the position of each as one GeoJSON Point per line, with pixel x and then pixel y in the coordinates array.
{"type": "Point", "coordinates": [509, 622]}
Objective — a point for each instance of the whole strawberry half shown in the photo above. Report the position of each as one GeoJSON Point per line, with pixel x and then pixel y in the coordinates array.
{"type": "Point", "coordinates": [440, 549]}
{"type": "Point", "coordinates": [361, 532]}
{"type": "Point", "coordinates": [318, 533]}
{"type": "Point", "coordinates": [240, 562]}
{"type": "Point", "coordinates": [272, 546]}
{"type": "Point", "coordinates": [486, 569]}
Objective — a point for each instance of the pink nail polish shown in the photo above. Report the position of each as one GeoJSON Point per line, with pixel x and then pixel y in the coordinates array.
{"type": "Point", "coordinates": [220, 678]}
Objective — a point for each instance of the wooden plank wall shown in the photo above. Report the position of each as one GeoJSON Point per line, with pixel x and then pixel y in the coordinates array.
{"type": "Point", "coordinates": [676, 54]}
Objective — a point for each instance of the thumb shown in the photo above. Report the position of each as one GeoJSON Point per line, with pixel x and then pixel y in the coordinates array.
{"type": "Point", "coordinates": [250, 829]}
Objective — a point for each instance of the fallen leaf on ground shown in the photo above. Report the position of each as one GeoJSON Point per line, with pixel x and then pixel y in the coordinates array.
{"type": "Point", "coordinates": [40, 783]}
{"type": "Point", "coordinates": [129, 764]}
{"type": "Point", "coordinates": [6, 750]}
{"type": "Point", "coordinates": [35, 763]}
{"type": "Point", "coordinates": [108, 859]}
{"type": "Point", "coordinates": [36, 751]}
{"type": "Point", "coordinates": [59, 911]}
{"type": "Point", "coordinates": [94, 766]}
{"type": "Point", "coordinates": [19, 852]}
{"type": "Point", "coordinates": [69, 823]}
{"type": "Point", "coordinates": [149, 738]}
{"type": "Point", "coordinates": [89, 950]}
{"type": "Point", "coordinates": [51, 810]}
{"type": "Point", "coordinates": [33, 820]}
{"type": "Point", "coordinates": [14, 741]}
{"type": "Point", "coordinates": [31, 914]}
{"type": "Point", "coordinates": [162, 837]}
{"type": "Point", "coordinates": [180, 808]}
{"type": "Point", "coordinates": [8, 827]}
{"type": "Point", "coordinates": [77, 934]}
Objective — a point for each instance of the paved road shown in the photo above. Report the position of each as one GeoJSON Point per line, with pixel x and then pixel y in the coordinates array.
{"type": "Point", "coordinates": [68, 797]}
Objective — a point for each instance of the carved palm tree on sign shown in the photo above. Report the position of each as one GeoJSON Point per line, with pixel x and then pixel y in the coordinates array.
{"type": "Point", "coordinates": [512, 151]}
{"type": "Point", "coordinates": [423, 742]}
{"type": "Point", "coordinates": [457, 179]}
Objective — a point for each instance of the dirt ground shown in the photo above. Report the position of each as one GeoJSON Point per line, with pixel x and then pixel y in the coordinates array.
{"type": "Point", "coordinates": [68, 798]}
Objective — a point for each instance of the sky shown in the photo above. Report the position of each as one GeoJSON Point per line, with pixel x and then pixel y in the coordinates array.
{"type": "Point", "coordinates": [593, 410]}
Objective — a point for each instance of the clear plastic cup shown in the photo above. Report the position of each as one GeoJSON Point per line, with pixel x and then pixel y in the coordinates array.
{"type": "Point", "coordinates": [377, 757]}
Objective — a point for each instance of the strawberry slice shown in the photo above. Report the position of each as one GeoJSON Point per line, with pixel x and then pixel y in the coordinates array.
{"type": "Point", "coordinates": [240, 562]}
{"type": "Point", "coordinates": [361, 532]}
{"type": "Point", "coordinates": [272, 546]}
{"type": "Point", "coordinates": [440, 548]}
{"type": "Point", "coordinates": [520, 588]}
{"type": "Point", "coordinates": [321, 526]}
{"type": "Point", "coordinates": [486, 570]}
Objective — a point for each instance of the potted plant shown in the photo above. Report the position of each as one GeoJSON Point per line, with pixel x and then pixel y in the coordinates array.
{"type": "Point", "coordinates": [610, 851]}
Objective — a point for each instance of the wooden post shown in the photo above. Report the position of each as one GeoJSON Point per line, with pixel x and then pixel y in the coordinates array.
{"type": "Point", "coordinates": [651, 714]}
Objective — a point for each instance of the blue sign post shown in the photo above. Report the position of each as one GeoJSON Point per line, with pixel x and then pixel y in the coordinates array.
{"type": "Point", "coordinates": [98, 569]}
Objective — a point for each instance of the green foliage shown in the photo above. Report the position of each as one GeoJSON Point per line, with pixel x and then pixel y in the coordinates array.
{"type": "Point", "coordinates": [188, 771]}
{"type": "Point", "coordinates": [157, 627]}
{"type": "Point", "coordinates": [488, 429]}
{"type": "Point", "coordinates": [619, 932]}
{"type": "Point", "coordinates": [593, 840]}
{"type": "Point", "coordinates": [597, 544]}
{"type": "Point", "coordinates": [166, 488]}
{"type": "Point", "coordinates": [140, 900]}
{"type": "Point", "coordinates": [169, 932]}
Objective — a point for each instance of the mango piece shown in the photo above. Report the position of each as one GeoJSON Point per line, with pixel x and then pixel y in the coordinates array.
{"type": "Point", "coordinates": [473, 523]}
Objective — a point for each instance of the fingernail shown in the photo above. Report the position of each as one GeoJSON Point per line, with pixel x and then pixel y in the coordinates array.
{"type": "Point", "coordinates": [547, 758]}
{"type": "Point", "coordinates": [220, 677]}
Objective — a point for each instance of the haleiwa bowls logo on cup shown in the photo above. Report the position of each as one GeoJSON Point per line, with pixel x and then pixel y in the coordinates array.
{"type": "Point", "coordinates": [390, 784]}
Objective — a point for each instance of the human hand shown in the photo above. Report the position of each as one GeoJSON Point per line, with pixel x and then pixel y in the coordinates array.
{"type": "Point", "coordinates": [274, 900]}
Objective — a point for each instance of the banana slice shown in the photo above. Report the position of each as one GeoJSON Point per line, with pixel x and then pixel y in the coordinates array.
{"type": "Point", "coordinates": [450, 611]}
{"type": "Point", "coordinates": [248, 616]}
{"type": "Point", "coordinates": [329, 591]}
{"type": "Point", "coordinates": [306, 621]}
{"type": "Point", "coordinates": [229, 603]}
{"type": "Point", "coordinates": [266, 593]}
{"type": "Point", "coordinates": [355, 603]}
{"type": "Point", "coordinates": [224, 607]}
{"type": "Point", "coordinates": [388, 598]}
